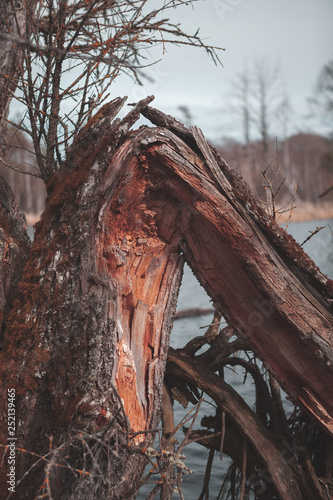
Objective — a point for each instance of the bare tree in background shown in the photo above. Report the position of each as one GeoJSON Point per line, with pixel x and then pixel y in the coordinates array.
{"type": "Point", "coordinates": [322, 99]}
{"type": "Point", "coordinates": [74, 51]}
{"type": "Point", "coordinates": [284, 115]}
{"type": "Point", "coordinates": [257, 99]}
{"type": "Point", "coordinates": [268, 99]}
{"type": "Point", "coordinates": [241, 102]}
{"type": "Point", "coordinates": [322, 103]}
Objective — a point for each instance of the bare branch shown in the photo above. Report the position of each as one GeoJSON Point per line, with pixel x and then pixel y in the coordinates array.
{"type": "Point", "coordinates": [76, 49]}
{"type": "Point", "coordinates": [3, 162]}
{"type": "Point", "coordinates": [312, 233]}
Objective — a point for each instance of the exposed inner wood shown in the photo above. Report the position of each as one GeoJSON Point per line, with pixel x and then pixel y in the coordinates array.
{"type": "Point", "coordinates": [252, 282]}
{"type": "Point", "coordinates": [142, 266]}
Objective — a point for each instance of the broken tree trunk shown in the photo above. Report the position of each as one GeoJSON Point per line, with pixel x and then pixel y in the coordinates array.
{"type": "Point", "coordinates": [86, 343]}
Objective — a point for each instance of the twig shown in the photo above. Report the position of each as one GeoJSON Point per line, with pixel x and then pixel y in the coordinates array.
{"type": "Point", "coordinates": [222, 435]}
{"type": "Point", "coordinates": [325, 192]}
{"type": "Point", "coordinates": [243, 479]}
{"type": "Point", "coordinates": [312, 234]}
{"type": "Point", "coordinates": [205, 490]}
{"type": "Point", "coordinates": [37, 176]}
{"type": "Point", "coordinates": [213, 324]}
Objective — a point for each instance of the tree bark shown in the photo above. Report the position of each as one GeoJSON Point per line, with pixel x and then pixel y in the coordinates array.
{"type": "Point", "coordinates": [14, 250]}
{"type": "Point", "coordinates": [86, 342]}
{"type": "Point", "coordinates": [14, 241]}
{"type": "Point", "coordinates": [260, 278]}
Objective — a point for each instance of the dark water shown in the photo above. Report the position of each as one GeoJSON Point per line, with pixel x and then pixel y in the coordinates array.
{"type": "Point", "coordinates": [320, 249]}
{"type": "Point", "coordinates": [30, 230]}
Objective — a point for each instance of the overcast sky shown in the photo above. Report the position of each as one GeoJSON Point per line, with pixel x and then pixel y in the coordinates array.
{"type": "Point", "coordinates": [296, 34]}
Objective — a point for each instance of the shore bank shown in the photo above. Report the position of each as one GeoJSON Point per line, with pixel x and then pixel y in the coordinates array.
{"type": "Point", "coordinates": [303, 212]}
{"type": "Point", "coordinates": [306, 211]}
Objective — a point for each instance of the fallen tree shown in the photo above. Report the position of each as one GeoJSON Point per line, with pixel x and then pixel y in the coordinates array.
{"type": "Point", "coordinates": [86, 342]}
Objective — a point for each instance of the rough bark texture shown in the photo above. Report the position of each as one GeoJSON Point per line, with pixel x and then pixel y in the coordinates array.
{"type": "Point", "coordinates": [14, 249]}
{"type": "Point", "coordinates": [92, 323]}
{"type": "Point", "coordinates": [261, 279]}
{"type": "Point", "coordinates": [97, 298]}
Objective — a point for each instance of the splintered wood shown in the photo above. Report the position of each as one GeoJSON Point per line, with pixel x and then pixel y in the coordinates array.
{"type": "Point", "coordinates": [143, 267]}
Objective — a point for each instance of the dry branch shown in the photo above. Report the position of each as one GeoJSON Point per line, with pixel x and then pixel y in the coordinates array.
{"type": "Point", "coordinates": [228, 400]}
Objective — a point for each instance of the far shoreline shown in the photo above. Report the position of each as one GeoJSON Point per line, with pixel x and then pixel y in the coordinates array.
{"type": "Point", "coordinates": [306, 211]}
{"type": "Point", "coordinates": [301, 213]}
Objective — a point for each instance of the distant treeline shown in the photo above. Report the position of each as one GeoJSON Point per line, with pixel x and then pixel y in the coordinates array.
{"type": "Point", "coordinates": [303, 162]}
{"type": "Point", "coordinates": [29, 191]}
